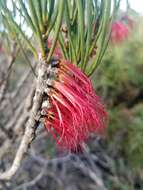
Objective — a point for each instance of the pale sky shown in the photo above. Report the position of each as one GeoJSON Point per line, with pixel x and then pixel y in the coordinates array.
{"type": "Point", "coordinates": [135, 4]}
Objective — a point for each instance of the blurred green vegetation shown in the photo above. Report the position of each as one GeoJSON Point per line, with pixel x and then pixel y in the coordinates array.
{"type": "Point", "coordinates": [122, 67]}
{"type": "Point", "coordinates": [119, 81]}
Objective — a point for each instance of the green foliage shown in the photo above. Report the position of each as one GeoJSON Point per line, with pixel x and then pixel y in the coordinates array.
{"type": "Point", "coordinates": [120, 80]}
{"type": "Point", "coordinates": [135, 140]}
{"type": "Point", "coordinates": [87, 26]}
{"type": "Point", "coordinates": [122, 67]}
{"type": "Point", "coordinates": [37, 17]}
{"type": "Point", "coordinates": [126, 131]}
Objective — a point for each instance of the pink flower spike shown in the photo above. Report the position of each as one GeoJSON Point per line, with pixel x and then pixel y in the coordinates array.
{"type": "Point", "coordinates": [119, 32]}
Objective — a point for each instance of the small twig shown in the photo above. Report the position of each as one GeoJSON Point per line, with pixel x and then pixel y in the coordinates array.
{"type": "Point", "coordinates": [15, 117]}
{"type": "Point", "coordinates": [27, 58]}
{"type": "Point", "coordinates": [20, 84]}
{"type": "Point", "coordinates": [22, 120]}
{"type": "Point", "coordinates": [4, 82]}
{"type": "Point", "coordinates": [10, 63]}
{"type": "Point", "coordinates": [34, 181]}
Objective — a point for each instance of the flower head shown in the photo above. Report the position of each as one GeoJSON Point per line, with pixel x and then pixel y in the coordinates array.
{"type": "Point", "coordinates": [119, 32]}
{"type": "Point", "coordinates": [76, 110]}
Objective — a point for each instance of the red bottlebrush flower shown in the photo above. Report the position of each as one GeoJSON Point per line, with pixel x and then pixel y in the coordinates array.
{"type": "Point", "coordinates": [75, 109]}
{"type": "Point", "coordinates": [119, 32]}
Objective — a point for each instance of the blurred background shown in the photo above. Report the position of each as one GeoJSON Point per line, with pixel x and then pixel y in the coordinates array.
{"type": "Point", "coordinates": [113, 162]}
